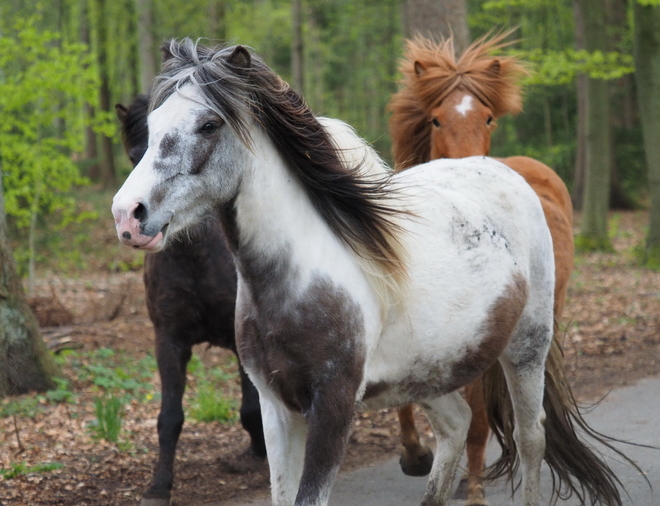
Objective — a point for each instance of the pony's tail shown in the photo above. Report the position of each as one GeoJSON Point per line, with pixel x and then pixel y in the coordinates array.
{"type": "Point", "coordinates": [576, 468]}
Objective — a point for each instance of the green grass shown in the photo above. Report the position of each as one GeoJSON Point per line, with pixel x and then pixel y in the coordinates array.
{"type": "Point", "coordinates": [208, 403]}
{"type": "Point", "coordinates": [109, 413]}
{"type": "Point", "coordinates": [20, 468]}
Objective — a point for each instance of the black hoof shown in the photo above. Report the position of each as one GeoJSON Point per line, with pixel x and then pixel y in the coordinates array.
{"type": "Point", "coordinates": [462, 489]}
{"type": "Point", "coordinates": [154, 502]}
{"type": "Point", "coordinates": [246, 462]}
{"type": "Point", "coordinates": [418, 464]}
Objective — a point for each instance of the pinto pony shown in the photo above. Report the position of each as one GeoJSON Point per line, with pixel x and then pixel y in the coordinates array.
{"type": "Point", "coordinates": [447, 108]}
{"type": "Point", "coordinates": [191, 297]}
{"type": "Point", "coordinates": [355, 287]}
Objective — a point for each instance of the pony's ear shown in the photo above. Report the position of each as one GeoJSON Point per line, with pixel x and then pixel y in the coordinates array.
{"type": "Point", "coordinates": [121, 112]}
{"type": "Point", "coordinates": [419, 68]}
{"type": "Point", "coordinates": [494, 68]}
{"type": "Point", "coordinates": [165, 49]}
{"type": "Point", "coordinates": [240, 57]}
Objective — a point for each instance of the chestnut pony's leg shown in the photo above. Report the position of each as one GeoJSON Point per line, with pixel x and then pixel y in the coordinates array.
{"type": "Point", "coordinates": [416, 458]}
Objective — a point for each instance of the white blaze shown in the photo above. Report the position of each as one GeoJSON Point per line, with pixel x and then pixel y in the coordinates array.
{"type": "Point", "coordinates": [465, 105]}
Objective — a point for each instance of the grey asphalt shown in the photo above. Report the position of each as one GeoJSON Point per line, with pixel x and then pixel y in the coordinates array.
{"type": "Point", "coordinates": [630, 414]}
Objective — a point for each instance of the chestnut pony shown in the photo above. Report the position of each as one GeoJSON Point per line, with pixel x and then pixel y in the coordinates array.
{"type": "Point", "coordinates": [447, 108]}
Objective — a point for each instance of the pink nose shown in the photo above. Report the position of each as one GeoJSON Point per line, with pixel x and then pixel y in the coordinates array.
{"type": "Point", "coordinates": [128, 229]}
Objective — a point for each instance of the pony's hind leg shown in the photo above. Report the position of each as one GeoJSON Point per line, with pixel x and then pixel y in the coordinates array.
{"type": "Point", "coordinates": [416, 458]}
{"type": "Point", "coordinates": [450, 418]}
{"type": "Point", "coordinates": [524, 368]}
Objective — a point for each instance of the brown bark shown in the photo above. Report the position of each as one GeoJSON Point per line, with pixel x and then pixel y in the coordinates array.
{"type": "Point", "coordinates": [146, 46]}
{"type": "Point", "coordinates": [438, 19]}
{"type": "Point", "coordinates": [217, 24]}
{"type": "Point", "coordinates": [647, 76]}
{"type": "Point", "coordinates": [598, 167]}
{"type": "Point", "coordinates": [25, 364]}
{"type": "Point", "coordinates": [108, 173]}
{"type": "Point", "coordinates": [297, 72]}
{"type": "Point", "coordinates": [581, 122]}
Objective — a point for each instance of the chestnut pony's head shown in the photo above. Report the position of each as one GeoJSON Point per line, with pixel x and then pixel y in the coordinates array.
{"type": "Point", "coordinates": [447, 107]}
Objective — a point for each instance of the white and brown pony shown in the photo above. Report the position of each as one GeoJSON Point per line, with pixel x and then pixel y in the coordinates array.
{"type": "Point", "coordinates": [355, 288]}
{"type": "Point", "coordinates": [447, 108]}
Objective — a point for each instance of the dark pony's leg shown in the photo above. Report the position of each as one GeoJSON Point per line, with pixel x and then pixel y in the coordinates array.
{"type": "Point", "coordinates": [251, 416]}
{"type": "Point", "coordinates": [172, 361]}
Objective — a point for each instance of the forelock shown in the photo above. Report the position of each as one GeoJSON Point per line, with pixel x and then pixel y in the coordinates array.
{"type": "Point", "coordinates": [223, 88]}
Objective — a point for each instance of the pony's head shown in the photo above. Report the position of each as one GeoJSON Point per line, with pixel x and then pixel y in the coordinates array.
{"type": "Point", "coordinates": [134, 129]}
{"type": "Point", "coordinates": [447, 108]}
{"type": "Point", "coordinates": [200, 114]}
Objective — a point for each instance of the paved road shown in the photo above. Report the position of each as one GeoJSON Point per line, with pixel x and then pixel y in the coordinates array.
{"type": "Point", "coordinates": [631, 413]}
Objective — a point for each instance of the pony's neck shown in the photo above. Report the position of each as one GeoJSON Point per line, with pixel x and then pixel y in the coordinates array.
{"type": "Point", "coordinates": [276, 222]}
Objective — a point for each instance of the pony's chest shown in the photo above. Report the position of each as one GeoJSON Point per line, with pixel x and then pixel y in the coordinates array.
{"type": "Point", "coordinates": [295, 344]}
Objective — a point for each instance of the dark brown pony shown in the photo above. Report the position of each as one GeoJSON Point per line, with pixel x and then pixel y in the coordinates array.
{"type": "Point", "coordinates": [447, 108]}
{"type": "Point", "coordinates": [191, 297]}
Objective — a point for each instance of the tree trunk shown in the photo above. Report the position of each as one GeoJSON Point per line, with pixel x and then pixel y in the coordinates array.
{"type": "Point", "coordinates": [217, 24]}
{"type": "Point", "coordinates": [108, 173]}
{"type": "Point", "coordinates": [91, 150]}
{"type": "Point", "coordinates": [437, 19]}
{"type": "Point", "coordinates": [581, 121]}
{"type": "Point", "coordinates": [148, 65]}
{"type": "Point", "coordinates": [25, 364]}
{"type": "Point", "coordinates": [593, 234]}
{"type": "Point", "coordinates": [297, 72]}
{"type": "Point", "coordinates": [647, 75]}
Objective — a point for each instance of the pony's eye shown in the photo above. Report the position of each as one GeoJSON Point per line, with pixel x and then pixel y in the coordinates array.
{"type": "Point", "coordinates": [208, 128]}
{"type": "Point", "coordinates": [489, 120]}
{"type": "Point", "coordinates": [435, 122]}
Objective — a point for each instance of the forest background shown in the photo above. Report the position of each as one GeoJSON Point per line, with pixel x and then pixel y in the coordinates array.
{"type": "Point", "coordinates": [64, 64]}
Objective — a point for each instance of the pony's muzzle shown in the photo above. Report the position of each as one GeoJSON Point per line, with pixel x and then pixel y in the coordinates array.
{"type": "Point", "coordinates": [130, 224]}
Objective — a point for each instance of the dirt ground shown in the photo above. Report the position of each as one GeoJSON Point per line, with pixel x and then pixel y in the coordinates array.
{"type": "Point", "coordinates": [612, 338]}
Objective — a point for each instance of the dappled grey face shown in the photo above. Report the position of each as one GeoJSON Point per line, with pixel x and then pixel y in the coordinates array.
{"type": "Point", "coordinates": [191, 166]}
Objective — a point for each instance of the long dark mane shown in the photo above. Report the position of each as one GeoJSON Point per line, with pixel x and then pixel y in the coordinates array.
{"type": "Point", "coordinates": [238, 85]}
{"type": "Point", "coordinates": [431, 72]}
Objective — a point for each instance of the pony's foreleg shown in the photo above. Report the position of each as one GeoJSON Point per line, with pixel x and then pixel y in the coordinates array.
{"type": "Point", "coordinates": [329, 420]}
{"type": "Point", "coordinates": [250, 413]}
{"type": "Point", "coordinates": [450, 417]}
{"type": "Point", "coordinates": [172, 359]}
{"type": "Point", "coordinates": [285, 433]}
{"type": "Point", "coordinates": [525, 384]}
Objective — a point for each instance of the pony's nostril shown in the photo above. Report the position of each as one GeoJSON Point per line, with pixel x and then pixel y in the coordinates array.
{"type": "Point", "coordinates": [140, 212]}
{"type": "Point", "coordinates": [126, 235]}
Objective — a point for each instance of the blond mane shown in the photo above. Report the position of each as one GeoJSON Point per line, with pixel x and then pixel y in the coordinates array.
{"type": "Point", "coordinates": [431, 72]}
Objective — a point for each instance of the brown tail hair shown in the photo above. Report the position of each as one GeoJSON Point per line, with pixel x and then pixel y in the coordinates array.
{"type": "Point", "coordinates": [575, 467]}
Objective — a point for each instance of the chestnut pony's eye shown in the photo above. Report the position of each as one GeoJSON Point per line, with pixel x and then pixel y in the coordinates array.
{"type": "Point", "coordinates": [489, 120]}
{"type": "Point", "coordinates": [435, 122]}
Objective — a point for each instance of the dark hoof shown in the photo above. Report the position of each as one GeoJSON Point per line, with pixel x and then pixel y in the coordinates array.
{"type": "Point", "coordinates": [462, 489]}
{"type": "Point", "coordinates": [246, 462]}
{"type": "Point", "coordinates": [418, 464]}
{"type": "Point", "coordinates": [154, 502]}
{"type": "Point", "coordinates": [463, 493]}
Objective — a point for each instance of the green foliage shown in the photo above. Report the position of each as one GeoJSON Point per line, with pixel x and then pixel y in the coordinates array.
{"type": "Point", "coordinates": [27, 406]}
{"type": "Point", "coordinates": [209, 404]}
{"type": "Point", "coordinates": [21, 468]}
{"type": "Point", "coordinates": [115, 373]}
{"type": "Point", "coordinates": [61, 393]}
{"type": "Point", "coordinates": [586, 244]}
{"type": "Point", "coordinates": [648, 257]}
{"type": "Point", "coordinates": [109, 413]}
{"type": "Point", "coordinates": [561, 67]}
{"type": "Point", "coordinates": [44, 83]}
